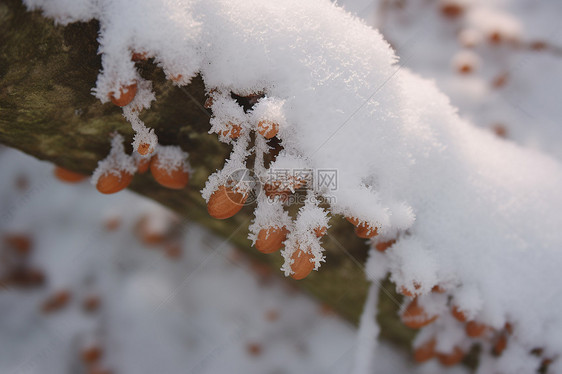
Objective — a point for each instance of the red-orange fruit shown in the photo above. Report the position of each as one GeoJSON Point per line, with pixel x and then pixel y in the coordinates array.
{"type": "Point", "coordinates": [452, 358]}
{"type": "Point", "coordinates": [475, 329]}
{"type": "Point", "coordinates": [365, 231]}
{"type": "Point", "coordinates": [56, 301]}
{"type": "Point", "coordinates": [110, 183]}
{"type": "Point", "coordinates": [91, 303]}
{"type": "Point", "coordinates": [320, 231]}
{"type": "Point", "coordinates": [127, 95]}
{"type": "Point", "coordinates": [271, 239]}
{"type": "Point", "coordinates": [383, 246]}
{"type": "Point", "coordinates": [500, 345]}
{"type": "Point", "coordinates": [354, 221]}
{"type": "Point", "coordinates": [301, 266]}
{"type": "Point", "coordinates": [438, 289]}
{"type": "Point", "coordinates": [500, 130]}
{"type": "Point", "coordinates": [232, 130]}
{"type": "Point", "coordinates": [451, 10]}
{"type": "Point", "coordinates": [538, 45]}
{"type": "Point", "coordinates": [415, 316]}
{"type": "Point", "coordinates": [273, 190]}
{"type": "Point", "coordinates": [495, 37]}
{"type": "Point", "coordinates": [465, 68]}
{"type": "Point", "coordinates": [21, 243]}
{"type": "Point", "coordinates": [268, 129]}
{"type": "Point", "coordinates": [224, 202]}
{"type": "Point", "coordinates": [508, 328]}
{"type": "Point", "coordinates": [425, 352]}
{"type": "Point", "coordinates": [143, 164]}
{"type": "Point", "coordinates": [254, 349]}
{"type": "Point", "coordinates": [458, 314]}
{"type": "Point", "coordinates": [139, 56]}
{"type": "Point", "coordinates": [68, 176]}
{"type": "Point", "coordinates": [147, 235]}
{"type": "Point", "coordinates": [91, 354]}
{"type": "Point", "coordinates": [143, 149]}
{"type": "Point", "coordinates": [208, 103]}
{"type": "Point", "coordinates": [500, 80]}
{"type": "Point", "coordinates": [175, 179]}
{"type": "Point", "coordinates": [176, 78]}
{"type": "Point", "coordinates": [406, 292]}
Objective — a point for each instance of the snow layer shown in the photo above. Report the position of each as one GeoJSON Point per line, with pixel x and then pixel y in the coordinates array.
{"type": "Point", "coordinates": [471, 211]}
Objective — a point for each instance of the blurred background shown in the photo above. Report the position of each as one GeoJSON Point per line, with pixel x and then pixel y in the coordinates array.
{"type": "Point", "coordinates": [118, 284]}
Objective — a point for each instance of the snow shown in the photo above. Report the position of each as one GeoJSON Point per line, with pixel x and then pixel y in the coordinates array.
{"type": "Point", "coordinates": [470, 212]}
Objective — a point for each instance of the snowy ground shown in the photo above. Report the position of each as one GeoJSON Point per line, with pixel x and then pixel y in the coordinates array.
{"type": "Point", "coordinates": [209, 311]}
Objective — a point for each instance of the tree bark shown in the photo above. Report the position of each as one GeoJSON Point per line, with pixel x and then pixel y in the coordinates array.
{"type": "Point", "coordinates": [47, 110]}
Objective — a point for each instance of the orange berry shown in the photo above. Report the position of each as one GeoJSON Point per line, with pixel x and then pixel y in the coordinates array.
{"type": "Point", "coordinates": [465, 68]}
{"type": "Point", "coordinates": [224, 202]}
{"type": "Point", "coordinates": [365, 231]}
{"type": "Point", "coordinates": [127, 95]}
{"type": "Point", "coordinates": [233, 130]}
{"type": "Point", "coordinates": [268, 129]}
{"type": "Point", "coordinates": [271, 239]}
{"type": "Point", "coordinates": [500, 345]}
{"type": "Point", "coordinates": [475, 329]}
{"type": "Point", "coordinates": [538, 45]}
{"type": "Point", "coordinates": [458, 314]}
{"type": "Point", "coordinates": [354, 221]}
{"type": "Point", "coordinates": [273, 189]}
{"type": "Point", "coordinates": [139, 56]}
{"type": "Point", "coordinates": [301, 266]}
{"type": "Point", "coordinates": [500, 130]}
{"type": "Point", "coordinates": [91, 354]}
{"type": "Point", "coordinates": [383, 246]}
{"type": "Point", "coordinates": [56, 301]}
{"type": "Point", "coordinates": [21, 243]}
{"type": "Point", "coordinates": [208, 103]}
{"type": "Point", "coordinates": [91, 303]}
{"type": "Point", "coordinates": [68, 176]}
{"type": "Point", "coordinates": [176, 78]}
{"type": "Point", "coordinates": [438, 289]}
{"type": "Point", "coordinates": [320, 231]}
{"type": "Point", "coordinates": [451, 10]}
{"type": "Point", "coordinates": [175, 179]}
{"type": "Point", "coordinates": [452, 358]}
{"type": "Point", "coordinates": [110, 183]}
{"type": "Point", "coordinates": [143, 164]}
{"type": "Point", "coordinates": [415, 316]}
{"type": "Point", "coordinates": [143, 149]}
{"type": "Point", "coordinates": [254, 349]}
{"type": "Point", "coordinates": [425, 352]}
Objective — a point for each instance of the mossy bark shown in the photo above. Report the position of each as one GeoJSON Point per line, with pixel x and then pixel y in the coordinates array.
{"type": "Point", "coordinates": [47, 110]}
